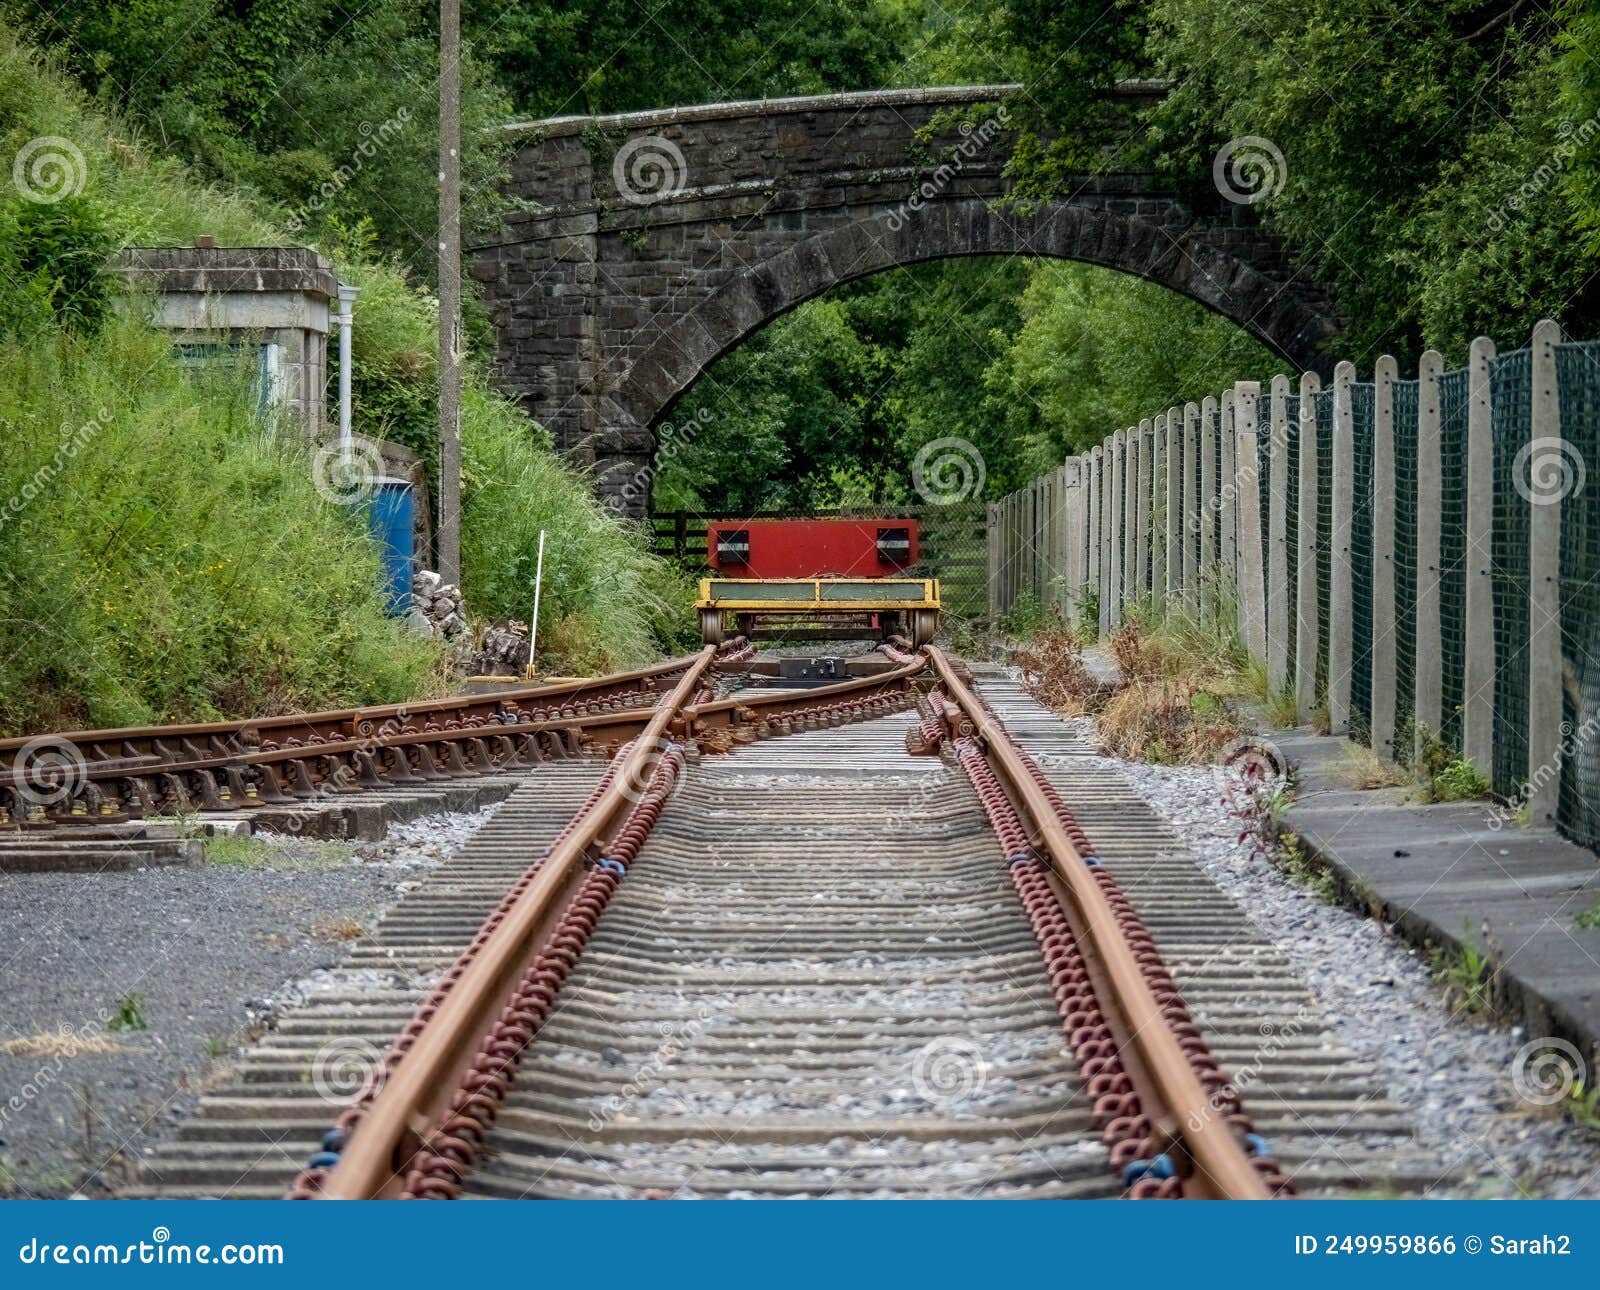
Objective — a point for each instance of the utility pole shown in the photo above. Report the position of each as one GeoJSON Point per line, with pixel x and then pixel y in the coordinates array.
{"type": "Point", "coordinates": [450, 290]}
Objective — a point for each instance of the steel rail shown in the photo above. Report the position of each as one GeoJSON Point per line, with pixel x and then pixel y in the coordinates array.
{"type": "Point", "coordinates": [1185, 1115]}
{"type": "Point", "coordinates": [418, 1090]}
{"type": "Point", "coordinates": [416, 1095]}
{"type": "Point", "coordinates": [336, 719]}
{"type": "Point", "coordinates": [490, 744]}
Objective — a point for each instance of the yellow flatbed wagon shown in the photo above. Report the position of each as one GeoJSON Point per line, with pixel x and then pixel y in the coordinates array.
{"type": "Point", "coordinates": [904, 606]}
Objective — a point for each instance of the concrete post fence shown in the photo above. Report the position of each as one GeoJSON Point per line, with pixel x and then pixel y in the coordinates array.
{"type": "Point", "coordinates": [1372, 545]}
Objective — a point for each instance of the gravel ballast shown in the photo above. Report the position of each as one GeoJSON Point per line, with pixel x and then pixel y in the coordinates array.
{"type": "Point", "coordinates": [129, 992]}
{"type": "Point", "coordinates": [1453, 1072]}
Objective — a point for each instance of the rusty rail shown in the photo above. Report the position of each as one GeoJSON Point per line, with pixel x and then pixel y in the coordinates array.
{"type": "Point", "coordinates": [417, 1092]}
{"type": "Point", "coordinates": [108, 776]}
{"type": "Point", "coordinates": [1210, 1159]}
{"type": "Point", "coordinates": [406, 1119]}
{"type": "Point", "coordinates": [342, 720]}
{"type": "Point", "coordinates": [408, 1128]}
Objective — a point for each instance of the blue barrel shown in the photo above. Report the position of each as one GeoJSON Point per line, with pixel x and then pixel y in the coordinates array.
{"type": "Point", "coordinates": [391, 519]}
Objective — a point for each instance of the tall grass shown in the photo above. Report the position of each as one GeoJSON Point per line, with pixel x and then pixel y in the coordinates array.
{"type": "Point", "coordinates": [607, 602]}
{"type": "Point", "coordinates": [182, 566]}
{"type": "Point", "coordinates": [164, 553]}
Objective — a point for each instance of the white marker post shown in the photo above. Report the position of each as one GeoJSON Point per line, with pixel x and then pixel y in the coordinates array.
{"type": "Point", "coordinates": [533, 623]}
{"type": "Point", "coordinates": [344, 318]}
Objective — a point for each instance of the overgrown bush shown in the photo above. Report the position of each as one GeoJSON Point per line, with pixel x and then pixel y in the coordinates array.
{"type": "Point", "coordinates": [155, 631]}
{"type": "Point", "coordinates": [1054, 672]}
{"type": "Point", "coordinates": [606, 602]}
{"type": "Point", "coordinates": [1173, 700]}
{"type": "Point", "coordinates": [164, 553]}
{"type": "Point", "coordinates": [53, 265]}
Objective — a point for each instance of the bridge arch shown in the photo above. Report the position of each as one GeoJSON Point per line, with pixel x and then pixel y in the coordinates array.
{"type": "Point", "coordinates": [640, 248]}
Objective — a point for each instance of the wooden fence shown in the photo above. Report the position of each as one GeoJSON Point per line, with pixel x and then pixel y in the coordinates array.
{"type": "Point", "coordinates": [1420, 557]}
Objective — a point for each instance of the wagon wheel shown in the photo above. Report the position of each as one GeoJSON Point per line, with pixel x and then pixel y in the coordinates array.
{"type": "Point", "coordinates": [745, 625]}
{"type": "Point", "coordinates": [711, 626]}
{"type": "Point", "coordinates": [924, 625]}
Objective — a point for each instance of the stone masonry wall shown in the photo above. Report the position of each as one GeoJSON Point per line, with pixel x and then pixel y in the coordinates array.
{"type": "Point", "coordinates": [639, 248]}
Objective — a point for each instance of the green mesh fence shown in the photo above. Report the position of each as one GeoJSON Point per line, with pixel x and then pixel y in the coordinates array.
{"type": "Point", "coordinates": [1578, 379]}
{"type": "Point", "coordinates": [1361, 416]}
{"type": "Point", "coordinates": [1323, 402]}
{"type": "Point", "coordinates": [1290, 501]}
{"type": "Point", "coordinates": [1405, 562]}
{"type": "Point", "coordinates": [1511, 397]}
{"type": "Point", "coordinates": [1025, 535]}
{"type": "Point", "coordinates": [1453, 394]}
{"type": "Point", "coordinates": [1215, 517]}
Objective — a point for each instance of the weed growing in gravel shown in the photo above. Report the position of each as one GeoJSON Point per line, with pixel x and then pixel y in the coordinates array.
{"type": "Point", "coordinates": [1302, 869]}
{"type": "Point", "coordinates": [236, 851]}
{"type": "Point", "coordinates": [129, 1013]}
{"type": "Point", "coordinates": [1467, 975]}
{"type": "Point", "coordinates": [1588, 919]}
{"type": "Point", "coordinates": [1582, 1105]}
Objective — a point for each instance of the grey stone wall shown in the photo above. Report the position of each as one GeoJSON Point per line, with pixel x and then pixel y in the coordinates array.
{"type": "Point", "coordinates": [641, 247]}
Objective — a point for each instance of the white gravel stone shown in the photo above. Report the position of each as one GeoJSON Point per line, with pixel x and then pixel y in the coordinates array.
{"type": "Point", "coordinates": [1453, 1073]}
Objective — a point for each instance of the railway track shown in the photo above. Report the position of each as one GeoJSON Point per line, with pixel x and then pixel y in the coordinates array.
{"type": "Point", "coordinates": [813, 975]}
{"type": "Point", "coordinates": [110, 777]}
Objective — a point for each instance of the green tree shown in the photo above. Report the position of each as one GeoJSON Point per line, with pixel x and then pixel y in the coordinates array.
{"type": "Point", "coordinates": [326, 109]}
{"type": "Point", "coordinates": [586, 56]}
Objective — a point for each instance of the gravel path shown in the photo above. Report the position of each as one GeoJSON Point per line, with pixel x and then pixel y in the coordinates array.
{"type": "Point", "coordinates": [128, 993]}
{"type": "Point", "coordinates": [1454, 1073]}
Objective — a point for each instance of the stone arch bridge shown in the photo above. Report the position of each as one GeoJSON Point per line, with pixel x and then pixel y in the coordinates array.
{"type": "Point", "coordinates": [639, 248]}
